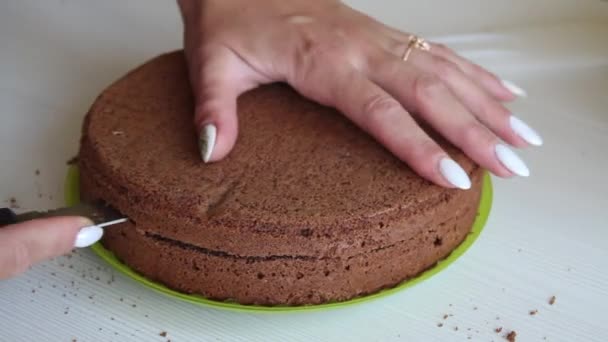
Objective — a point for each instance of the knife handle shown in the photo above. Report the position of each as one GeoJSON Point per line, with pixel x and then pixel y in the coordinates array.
{"type": "Point", "coordinates": [7, 216]}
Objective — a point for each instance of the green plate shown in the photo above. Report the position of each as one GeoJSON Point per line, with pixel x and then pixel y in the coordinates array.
{"type": "Point", "coordinates": [72, 196]}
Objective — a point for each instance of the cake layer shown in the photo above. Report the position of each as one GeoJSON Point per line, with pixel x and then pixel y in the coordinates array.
{"type": "Point", "coordinates": [278, 280]}
{"type": "Point", "coordinates": [300, 180]}
{"type": "Point", "coordinates": [245, 240]}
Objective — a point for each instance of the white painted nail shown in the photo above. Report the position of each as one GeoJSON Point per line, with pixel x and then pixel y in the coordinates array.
{"type": "Point", "coordinates": [514, 88]}
{"type": "Point", "coordinates": [206, 141]}
{"type": "Point", "coordinates": [511, 161]}
{"type": "Point", "coordinates": [88, 236]}
{"type": "Point", "coordinates": [525, 132]}
{"type": "Point", "coordinates": [454, 174]}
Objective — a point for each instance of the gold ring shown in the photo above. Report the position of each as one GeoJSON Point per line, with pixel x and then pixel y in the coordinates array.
{"type": "Point", "coordinates": [415, 42]}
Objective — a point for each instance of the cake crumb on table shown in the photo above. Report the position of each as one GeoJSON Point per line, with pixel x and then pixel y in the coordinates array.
{"type": "Point", "coordinates": [439, 325]}
{"type": "Point", "coordinates": [533, 312]}
{"type": "Point", "coordinates": [73, 160]}
{"type": "Point", "coordinates": [163, 334]}
{"type": "Point", "coordinates": [552, 300]}
{"type": "Point", "coordinates": [511, 336]}
{"type": "Point", "coordinates": [445, 316]}
{"type": "Point", "coordinates": [498, 330]}
{"type": "Point", "coordinates": [13, 203]}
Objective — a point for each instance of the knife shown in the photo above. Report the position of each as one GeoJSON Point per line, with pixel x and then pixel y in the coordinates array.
{"type": "Point", "coordinates": [100, 213]}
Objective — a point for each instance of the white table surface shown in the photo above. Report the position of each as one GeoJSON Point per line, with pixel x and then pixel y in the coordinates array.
{"type": "Point", "coordinates": [547, 235]}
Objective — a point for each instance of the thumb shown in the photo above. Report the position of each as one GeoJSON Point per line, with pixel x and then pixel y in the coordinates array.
{"type": "Point", "coordinates": [221, 79]}
{"type": "Point", "coordinates": [216, 121]}
{"type": "Point", "coordinates": [27, 243]}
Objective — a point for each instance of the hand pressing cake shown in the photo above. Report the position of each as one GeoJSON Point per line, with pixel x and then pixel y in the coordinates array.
{"type": "Point", "coordinates": [306, 209]}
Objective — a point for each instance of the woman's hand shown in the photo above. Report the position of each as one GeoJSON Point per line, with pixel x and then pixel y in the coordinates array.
{"type": "Point", "coordinates": [27, 243]}
{"type": "Point", "coordinates": [342, 58]}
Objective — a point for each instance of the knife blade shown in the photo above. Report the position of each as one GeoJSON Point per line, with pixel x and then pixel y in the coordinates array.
{"type": "Point", "coordinates": [99, 212]}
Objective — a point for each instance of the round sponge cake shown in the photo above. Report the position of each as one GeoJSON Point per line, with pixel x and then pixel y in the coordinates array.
{"type": "Point", "coordinates": [306, 209]}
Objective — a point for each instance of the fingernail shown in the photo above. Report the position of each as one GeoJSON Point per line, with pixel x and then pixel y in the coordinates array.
{"type": "Point", "coordinates": [525, 132]}
{"type": "Point", "coordinates": [454, 174]}
{"type": "Point", "coordinates": [88, 236]}
{"type": "Point", "coordinates": [206, 141]}
{"type": "Point", "coordinates": [514, 88]}
{"type": "Point", "coordinates": [511, 161]}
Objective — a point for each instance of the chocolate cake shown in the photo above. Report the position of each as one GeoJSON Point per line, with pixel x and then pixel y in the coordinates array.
{"type": "Point", "coordinates": [306, 209]}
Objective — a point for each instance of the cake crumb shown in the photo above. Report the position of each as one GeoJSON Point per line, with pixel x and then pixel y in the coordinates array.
{"type": "Point", "coordinates": [118, 132]}
{"type": "Point", "coordinates": [455, 328]}
{"type": "Point", "coordinates": [134, 305]}
{"type": "Point", "coordinates": [552, 300]}
{"type": "Point", "coordinates": [533, 312]}
{"type": "Point", "coordinates": [163, 334]}
{"type": "Point", "coordinates": [13, 203]}
{"type": "Point", "coordinates": [445, 316]}
{"type": "Point", "coordinates": [38, 174]}
{"type": "Point", "coordinates": [73, 160]}
{"type": "Point", "coordinates": [511, 336]}
{"type": "Point", "coordinates": [498, 330]}
{"type": "Point", "coordinates": [439, 325]}
{"type": "Point", "coordinates": [474, 308]}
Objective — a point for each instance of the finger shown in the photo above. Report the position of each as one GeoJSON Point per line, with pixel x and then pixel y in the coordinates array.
{"type": "Point", "coordinates": [479, 102]}
{"type": "Point", "coordinates": [383, 117]}
{"type": "Point", "coordinates": [24, 244]}
{"type": "Point", "coordinates": [499, 89]}
{"type": "Point", "coordinates": [218, 80]}
{"type": "Point", "coordinates": [434, 102]}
